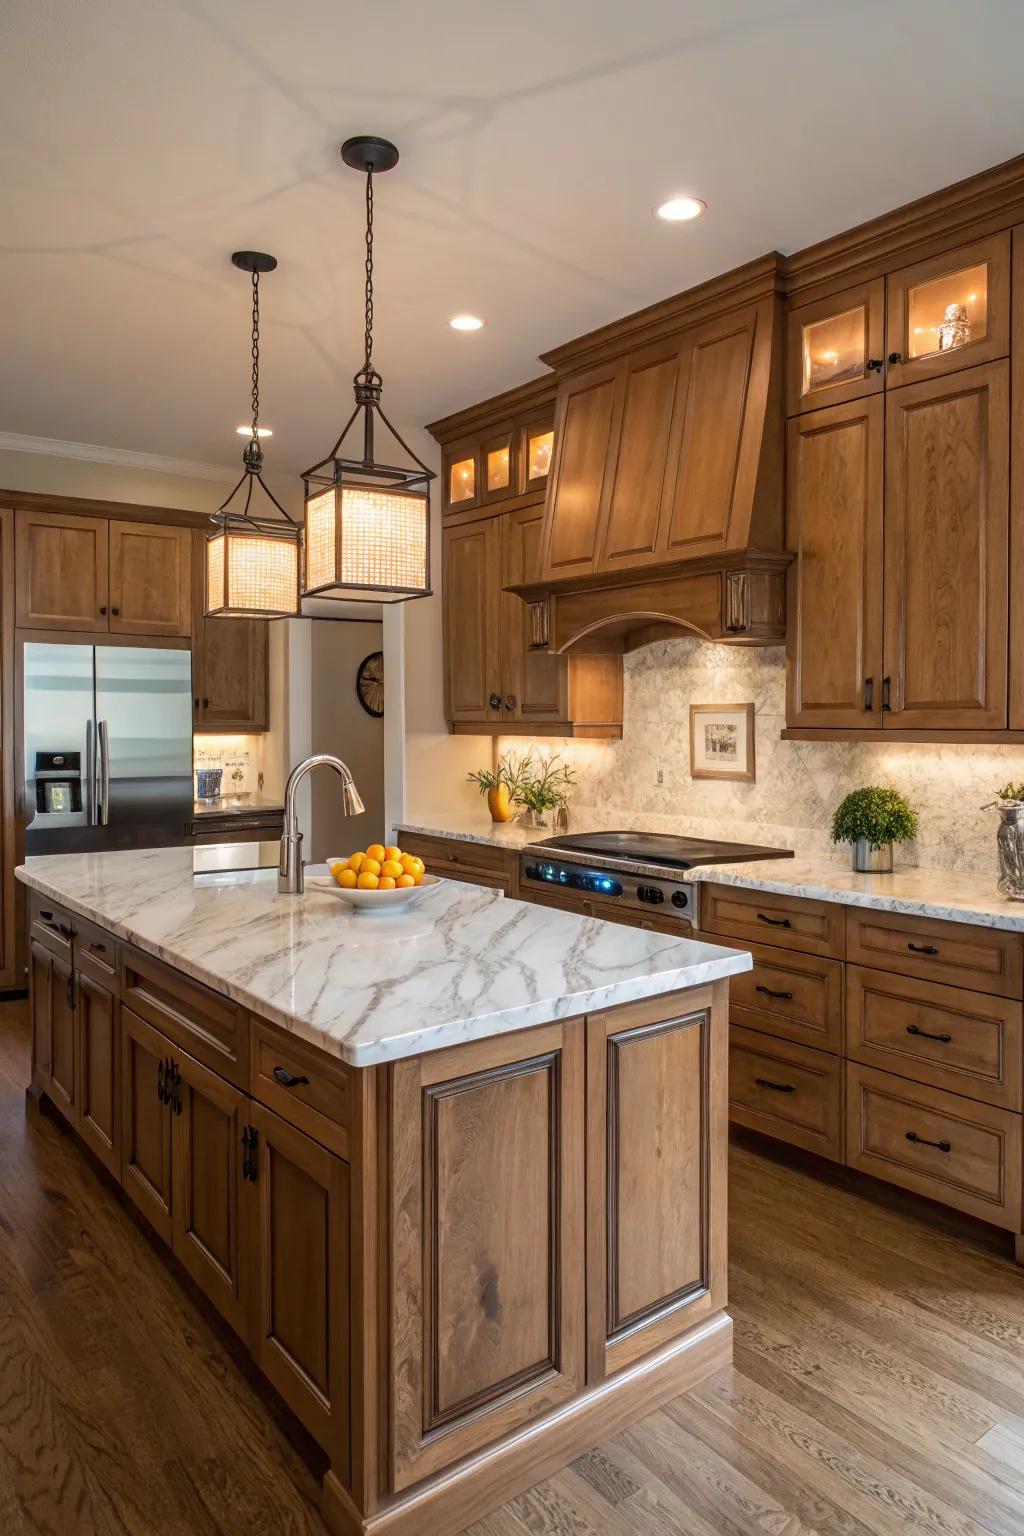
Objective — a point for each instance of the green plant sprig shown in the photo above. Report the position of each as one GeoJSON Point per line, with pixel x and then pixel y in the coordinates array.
{"type": "Point", "coordinates": [544, 790]}
{"type": "Point", "coordinates": [513, 770]}
{"type": "Point", "coordinates": [876, 815]}
{"type": "Point", "coordinates": [1011, 791]}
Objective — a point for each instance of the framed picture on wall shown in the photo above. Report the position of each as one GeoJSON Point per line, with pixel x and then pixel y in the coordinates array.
{"type": "Point", "coordinates": [722, 742]}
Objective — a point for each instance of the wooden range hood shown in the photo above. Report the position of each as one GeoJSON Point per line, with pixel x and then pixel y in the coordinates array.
{"type": "Point", "coordinates": [664, 507]}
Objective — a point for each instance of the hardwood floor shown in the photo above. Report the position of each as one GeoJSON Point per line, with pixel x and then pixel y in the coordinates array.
{"type": "Point", "coordinates": [878, 1385]}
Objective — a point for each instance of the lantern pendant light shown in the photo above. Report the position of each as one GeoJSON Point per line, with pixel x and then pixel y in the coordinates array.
{"type": "Point", "coordinates": [367, 524]}
{"type": "Point", "coordinates": [253, 561]}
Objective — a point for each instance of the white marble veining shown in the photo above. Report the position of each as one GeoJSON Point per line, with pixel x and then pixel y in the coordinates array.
{"type": "Point", "coordinates": [946, 894]}
{"type": "Point", "coordinates": [463, 964]}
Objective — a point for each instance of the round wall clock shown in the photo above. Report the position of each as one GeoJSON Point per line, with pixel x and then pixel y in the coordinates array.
{"type": "Point", "coordinates": [370, 684]}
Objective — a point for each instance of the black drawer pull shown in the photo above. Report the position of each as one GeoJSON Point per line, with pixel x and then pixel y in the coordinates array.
{"type": "Point", "coordinates": [925, 1034]}
{"type": "Point", "coordinates": [776, 922]}
{"type": "Point", "coordinates": [922, 949]}
{"type": "Point", "coordinates": [285, 1078]}
{"type": "Point", "coordinates": [766, 1082]}
{"type": "Point", "coordinates": [47, 917]}
{"type": "Point", "coordinates": [786, 996]}
{"type": "Point", "coordinates": [922, 1141]}
{"type": "Point", "coordinates": [100, 949]}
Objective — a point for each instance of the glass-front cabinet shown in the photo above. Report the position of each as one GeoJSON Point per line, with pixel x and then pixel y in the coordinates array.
{"type": "Point", "coordinates": [950, 312]}
{"type": "Point", "coordinates": [835, 348]}
{"type": "Point", "coordinates": [512, 458]}
{"type": "Point", "coordinates": [539, 438]}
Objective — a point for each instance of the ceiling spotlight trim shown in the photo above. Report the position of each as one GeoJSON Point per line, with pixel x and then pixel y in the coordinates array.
{"type": "Point", "coordinates": [254, 261]}
{"type": "Point", "coordinates": [367, 152]}
{"type": "Point", "coordinates": [697, 204]}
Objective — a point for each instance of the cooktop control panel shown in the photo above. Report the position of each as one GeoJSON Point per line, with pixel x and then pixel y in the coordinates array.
{"type": "Point", "coordinates": [645, 893]}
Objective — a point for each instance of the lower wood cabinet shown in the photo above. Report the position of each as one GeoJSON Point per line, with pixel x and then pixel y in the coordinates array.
{"type": "Point", "coordinates": [787, 1091]}
{"type": "Point", "coordinates": [146, 1121]}
{"type": "Point", "coordinates": [53, 1025]}
{"type": "Point", "coordinates": [98, 1050]}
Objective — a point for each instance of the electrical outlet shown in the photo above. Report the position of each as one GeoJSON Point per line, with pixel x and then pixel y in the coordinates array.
{"type": "Point", "coordinates": [660, 776]}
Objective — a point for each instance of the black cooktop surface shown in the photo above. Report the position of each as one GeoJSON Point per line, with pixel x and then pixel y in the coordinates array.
{"type": "Point", "coordinates": [661, 848]}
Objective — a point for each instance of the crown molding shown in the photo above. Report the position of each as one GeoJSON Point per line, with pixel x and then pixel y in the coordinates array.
{"type": "Point", "coordinates": [126, 458]}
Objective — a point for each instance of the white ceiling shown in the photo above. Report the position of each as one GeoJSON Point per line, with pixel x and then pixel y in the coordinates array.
{"type": "Point", "coordinates": [140, 143]}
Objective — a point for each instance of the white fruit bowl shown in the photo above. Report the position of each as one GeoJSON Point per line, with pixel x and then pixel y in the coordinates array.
{"type": "Point", "coordinates": [374, 901]}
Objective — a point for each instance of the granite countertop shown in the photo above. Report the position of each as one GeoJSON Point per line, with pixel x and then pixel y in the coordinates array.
{"type": "Point", "coordinates": [940, 893]}
{"type": "Point", "coordinates": [237, 805]}
{"type": "Point", "coordinates": [464, 963]}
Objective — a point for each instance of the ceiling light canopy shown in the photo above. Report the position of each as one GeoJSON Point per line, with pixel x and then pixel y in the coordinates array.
{"type": "Point", "coordinates": [367, 524]}
{"type": "Point", "coordinates": [466, 323]}
{"type": "Point", "coordinates": [677, 210]}
{"type": "Point", "coordinates": [252, 562]}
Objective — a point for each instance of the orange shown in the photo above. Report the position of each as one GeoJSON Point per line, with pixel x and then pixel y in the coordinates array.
{"type": "Point", "coordinates": [371, 866]}
{"type": "Point", "coordinates": [408, 862]}
{"type": "Point", "coordinates": [391, 852]}
{"type": "Point", "coordinates": [418, 867]}
{"type": "Point", "coordinates": [418, 877]}
{"type": "Point", "coordinates": [386, 883]}
{"type": "Point", "coordinates": [355, 861]}
{"type": "Point", "coordinates": [376, 851]}
{"type": "Point", "coordinates": [404, 881]}
{"type": "Point", "coordinates": [391, 867]}
{"type": "Point", "coordinates": [367, 882]}
{"type": "Point", "coordinates": [346, 878]}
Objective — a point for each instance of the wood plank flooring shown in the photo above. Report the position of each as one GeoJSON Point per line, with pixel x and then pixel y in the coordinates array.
{"type": "Point", "coordinates": [878, 1386]}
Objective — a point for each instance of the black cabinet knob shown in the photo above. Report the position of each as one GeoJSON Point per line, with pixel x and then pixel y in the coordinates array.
{"type": "Point", "coordinates": [116, 612]}
{"type": "Point", "coordinates": [286, 1078]}
{"type": "Point", "coordinates": [875, 364]}
{"type": "Point", "coordinates": [895, 357]}
{"type": "Point", "coordinates": [494, 702]}
{"type": "Point", "coordinates": [104, 608]}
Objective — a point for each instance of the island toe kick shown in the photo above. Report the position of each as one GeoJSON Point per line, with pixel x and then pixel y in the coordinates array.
{"type": "Point", "coordinates": [461, 1269]}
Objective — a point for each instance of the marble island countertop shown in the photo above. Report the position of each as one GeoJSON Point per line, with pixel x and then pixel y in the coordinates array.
{"type": "Point", "coordinates": [939, 893]}
{"type": "Point", "coordinates": [462, 964]}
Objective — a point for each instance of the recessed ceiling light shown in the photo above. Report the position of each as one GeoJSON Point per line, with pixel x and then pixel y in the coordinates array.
{"type": "Point", "coordinates": [677, 209]}
{"type": "Point", "coordinates": [260, 431]}
{"type": "Point", "coordinates": [465, 323]}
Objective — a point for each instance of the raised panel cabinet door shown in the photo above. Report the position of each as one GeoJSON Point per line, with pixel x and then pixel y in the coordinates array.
{"type": "Point", "coordinates": [657, 1113]}
{"type": "Point", "coordinates": [97, 1107]}
{"type": "Point", "coordinates": [946, 551]}
{"type": "Point", "coordinates": [835, 348]}
{"type": "Point", "coordinates": [150, 579]}
{"type": "Point", "coordinates": [233, 676]}
{"type": "Point", "coordinates": [472, 622]}
{"type": "Point", "coordinates": [62, 1054]}
{"type": "Point", "coordinates": [302, 1246]}
{"type": "Point", "coordinates": [535, 682]}
{"type": "Point", "coordinates": [487, 1233]}
{"type": "Point", "coordinates": [146, 1121]}
{"type": "Point", "coordinates": [630, 534]}
{"type": "Point", "coordinates": [209, 1207]}
{"type": "Point", "coordinates": [62, 572]}
{"type": "Point", "coordinates": [835, 482]}
{"type": "Point", "coordinates": [40, 992]}
{"type": "Point", "coordinates": [949, 312]}
{"type": "Point", "coordinates": [588, 419]}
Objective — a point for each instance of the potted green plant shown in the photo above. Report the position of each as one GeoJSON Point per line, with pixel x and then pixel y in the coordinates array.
{"type": "Point", "coordinates": [503, 786]}
{"type": "Point", "coordinates": [872, 819]}
{"type": "Point", "coordinates": [547, 789]}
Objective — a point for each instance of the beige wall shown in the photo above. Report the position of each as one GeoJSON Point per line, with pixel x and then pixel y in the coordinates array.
{"type": "Point", "coordinates": [341, 725]}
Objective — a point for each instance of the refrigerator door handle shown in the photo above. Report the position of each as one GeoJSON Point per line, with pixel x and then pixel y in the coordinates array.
{"type": "Point", "coordinates": [92, 775]}
{"type": "Point", "coordinates": [103, 771]}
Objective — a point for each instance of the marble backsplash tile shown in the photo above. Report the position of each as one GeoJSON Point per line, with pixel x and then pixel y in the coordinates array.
{"type": "Point", "coordinates": [798, 784]}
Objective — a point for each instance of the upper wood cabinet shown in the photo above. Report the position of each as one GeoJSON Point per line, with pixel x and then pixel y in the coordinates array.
{"type": "Point", "coordinates": [950, 312]}
{"type": "Point", "coordinates": [835, 348]}
{"type": "Point", "coordinates": [638, 484]}
{"type": "Point", "coordinates": [229, 663]}
{"type": "Point", "coordinates": [501, 458]}
{"type": "Point", "coordinates": [101, 576]}
{"type": "Point", "coordinates": [471, 586]}
{"type": "Point", "coordinates": [535, 681]}
{"type": "Point", "coordinates": [587, 425]}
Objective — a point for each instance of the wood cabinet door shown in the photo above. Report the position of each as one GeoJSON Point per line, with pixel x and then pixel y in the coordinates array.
{"type": "Point", "coordinates": [657, 1117]}
{"type": "Point", "coordinates": [946, 550]}
{"type": "Point", "coordinates": [208, 1205]}
{"type": "Point", "coordinates": [835, 348]}
{"type": "Point", "coordinates": [40, 992]}
{"type": "Point", "coordinates": [232, 685]}
{"type": "Point", "coordinates": [588, 417]}
{"type": "Point", "coordinates": [629, 536]}
{"type": "Point", "coordinates": [302, 1243]}
{"type": "Point", "coordinates": [150, 579]}
{"type": "Point", "coordinates": [146, 1122]}
{"type": "Point", "coordinates": [462, 473]}
{"type": "Point", "coordinates": [949, 312]}
{"type": "Point", "coordinates": [536, 449]}
{"type": "Point", "coordinates": [97, 1106]}
{"type": "Point", "coordinates": [472, 622]}
{"type": "Point", "coordinates": [62, 572]}
{"type": "Point", "coordinates": [62, 1052]}
{"type": "Point", "coordinates": [835, 484]}
{"type": "Point", "coordinates": [487, 1238]}
{"type": "Point", "coordinates": [535, 683]}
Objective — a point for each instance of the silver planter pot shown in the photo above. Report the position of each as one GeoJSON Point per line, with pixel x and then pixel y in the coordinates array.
{"type": "Point", "coordinates": [872, 861]}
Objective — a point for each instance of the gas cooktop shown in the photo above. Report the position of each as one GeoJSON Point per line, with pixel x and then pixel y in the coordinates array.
{"type": "Point", "coordinates": [658, 848]}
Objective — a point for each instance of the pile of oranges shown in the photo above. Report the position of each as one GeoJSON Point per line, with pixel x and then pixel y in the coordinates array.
{"type": "Point", "coordinates": [378, 869]}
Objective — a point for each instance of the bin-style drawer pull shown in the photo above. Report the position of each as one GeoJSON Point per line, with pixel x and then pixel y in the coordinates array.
{"type": "Point", "coordinates": [766, 1082]}
{"type": "Point", "coordinates": [776, 922]}
{"type": "Point", "coordinates": [922, 949]}
{"type": "Point", "coordinates": [926, 1034]}
{"type": "Point", "coordinates": [786, 996]}
{"type": "Point", "coordinates": [287, 1079]}
{"type": "Point", "coordinates": [922, 1141]}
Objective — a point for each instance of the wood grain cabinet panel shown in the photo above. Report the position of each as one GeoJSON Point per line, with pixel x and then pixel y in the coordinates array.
{"type": "Point", "coordinates": [951, 1149]}
{"type": "Point", "coordinates": [62, 1046]}
{"type": "Point", "coordinates": [62, 572]}
{"type": "Point", "coordinates": [946, 551]}
{"type": "Point", "coordinates": [835, 486]}
{"type": "Point", "coordinates": [959, 954]}
{"type": "Point", "coordinates": [918, 340]}
{"type": "Point", "coordinates": [302, 1329]}
{"type": "Point", "coordinates": [792, 996]}
{"type": "Point", "coordinates": [630, 534]}
{"type": "Point", "coordinates": [787, 1091]}
{"type": "Point", "coordinates": [587, 426]}
{"type": "Point", "coordinates": [210, 1027]}
{"type": "Point", "coordinates": [962, 1041]}
{"type": "Point", "coordinates": [487, 1231]}
{"type": "Point", "coordinates": [472, 622]}
{"type": "Point", "coordinates": [98, 1054]}
{"type": "Point", "coordinates": [656, 1117]}
{"type": "Point", "coordinates": [835, 348]}
{"type": "Point", "coordinates": [792, 922]}
{"type": "Point", "coordinates": [230, 660]}
{"type": "Point", "coordinates": [146, 1122]}
{"type": "Point", "coordinates": [534, 683]}
{"type": "Point", "coordinates": [150, 579]}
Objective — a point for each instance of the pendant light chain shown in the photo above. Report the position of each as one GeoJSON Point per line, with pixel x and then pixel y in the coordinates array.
{"type": "Point", "coordinates": [368, 330]}
{"type": "Point", "coordinates": [255, 357]}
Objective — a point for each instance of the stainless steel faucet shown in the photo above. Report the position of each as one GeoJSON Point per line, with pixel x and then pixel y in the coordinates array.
{"type": "Point", "coordinates": [289, 870]}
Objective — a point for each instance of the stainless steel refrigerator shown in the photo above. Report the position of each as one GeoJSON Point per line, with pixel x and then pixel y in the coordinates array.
{"type": "Point", "coordinates": [108, 747]}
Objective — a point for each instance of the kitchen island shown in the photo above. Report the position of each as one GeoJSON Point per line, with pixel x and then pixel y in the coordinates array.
{"type": "Point", "coordinates": [457, 1176]}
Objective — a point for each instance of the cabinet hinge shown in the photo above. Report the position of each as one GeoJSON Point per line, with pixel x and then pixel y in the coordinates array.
{"type": "Point", "coordinates": [250, 1145]}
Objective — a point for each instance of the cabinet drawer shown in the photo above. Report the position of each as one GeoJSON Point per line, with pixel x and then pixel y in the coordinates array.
{"type": "Point", "coordinates": [962, 1041]}
{"type": "Point", "coordinates": [965, 1154]}
{"type": "Point", "coordinates": [792, 996]}
{"type": "Point", "coordinates": [441, 854]}
{"type": "Point", "coordinates": [304, 1086]}
{"type": "Point", "coordinates": [213, 1028]}
{"type": "Point", "coordinates": [95, 952]}
{"type": "Point", "coordinates": [787, 1091]}
{"type": "Point", "coordinates": [794, 922]}
{"type": "Point", "coordinates": [960, 954]}
{"type": "Point", "coordinates": [53, 926]}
